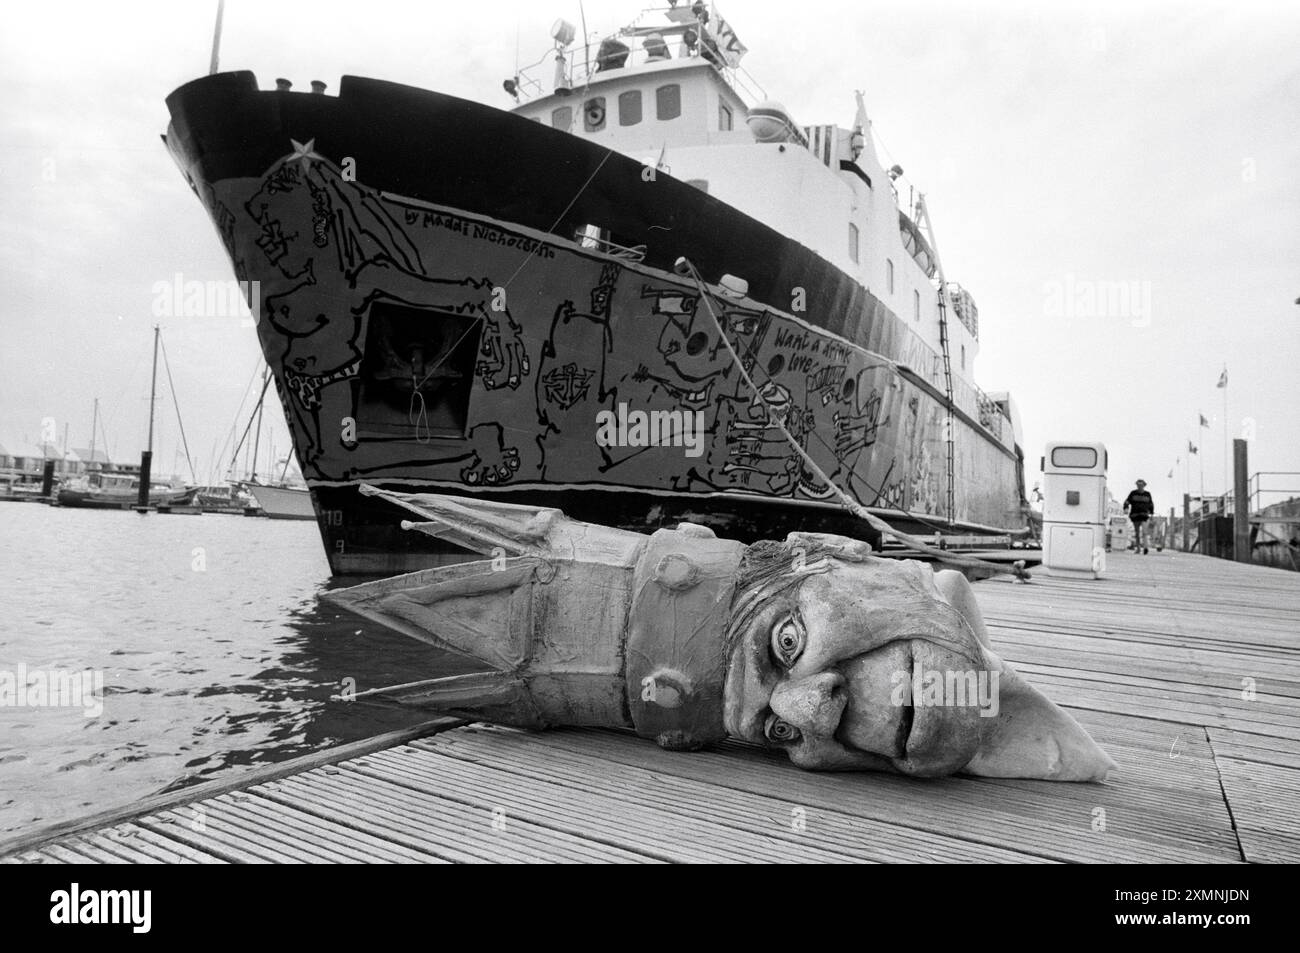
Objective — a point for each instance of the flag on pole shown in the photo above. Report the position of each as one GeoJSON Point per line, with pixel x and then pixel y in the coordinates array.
{"type": "Point", "coordinates": [1191, 447]}
{"type": "Point", "coordinates": [1204, 422]}
{"type": "Point", "coordinates": [730, 45]}
{"type": "Point", "coordinates": [1223, 379]}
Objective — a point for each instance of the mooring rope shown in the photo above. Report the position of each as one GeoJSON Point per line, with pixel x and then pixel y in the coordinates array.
{"type": "Point", "coordinates": [853, 506]}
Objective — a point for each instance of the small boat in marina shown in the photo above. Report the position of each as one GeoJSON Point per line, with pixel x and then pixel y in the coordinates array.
{"type": "Point", "coordinates": [117, 491]}
{"type": "Point", "coordinates": [223, 498]}
{"type": "Point", "coordinates": [283, 502]}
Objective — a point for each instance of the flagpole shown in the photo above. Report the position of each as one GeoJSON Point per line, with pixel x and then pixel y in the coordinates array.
{"type": "Point", "coordinates": [1200, 460]}
{"type": "Point", "coordinates": [216, 38]}
{"type": "Point", "coordinates": [1225, 430]}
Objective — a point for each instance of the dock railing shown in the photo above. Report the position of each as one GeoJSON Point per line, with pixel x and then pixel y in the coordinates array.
{"type": "Point", "coordinates": [1273, 510]}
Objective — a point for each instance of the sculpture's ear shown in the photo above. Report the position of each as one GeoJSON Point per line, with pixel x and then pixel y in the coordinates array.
{"type": "Point", "coordinates": [1030, 736]}
{"type": "Point", "coordinates": [841, 547]}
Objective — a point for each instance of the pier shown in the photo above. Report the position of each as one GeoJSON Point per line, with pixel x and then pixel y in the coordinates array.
{"type": "Point", "coordinates": [1185, 668]}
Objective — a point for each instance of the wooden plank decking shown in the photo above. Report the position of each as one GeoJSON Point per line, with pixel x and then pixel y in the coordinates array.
{"type": "Point", "coordinates": [1186, 669]}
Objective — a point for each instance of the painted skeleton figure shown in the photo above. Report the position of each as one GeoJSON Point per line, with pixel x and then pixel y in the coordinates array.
{"type": "Point", "coordinates": [814, 645]}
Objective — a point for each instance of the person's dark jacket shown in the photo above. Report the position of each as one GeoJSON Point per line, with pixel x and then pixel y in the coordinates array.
{"type": "Point", "coordinates": [1139, 503]}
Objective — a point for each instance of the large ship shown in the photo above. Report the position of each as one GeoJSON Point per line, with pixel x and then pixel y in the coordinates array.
{"type": "Point", "coordinates": [642, 293]}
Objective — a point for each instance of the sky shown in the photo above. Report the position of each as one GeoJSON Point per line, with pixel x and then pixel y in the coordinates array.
{"type": "Point", "coordinates": [1117, 184]}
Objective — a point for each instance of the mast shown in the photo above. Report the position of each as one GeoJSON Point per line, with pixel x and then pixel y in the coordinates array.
{"type": "Point", "coordinates": [94, 423]}
{"type": "Point", "coordinates": [146, 458]}
{"type": "Point", "coordinates": [257, 435]}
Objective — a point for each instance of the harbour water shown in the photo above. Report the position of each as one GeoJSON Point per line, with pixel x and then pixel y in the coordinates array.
{"type": "Point", "coordinates": [214, 650]}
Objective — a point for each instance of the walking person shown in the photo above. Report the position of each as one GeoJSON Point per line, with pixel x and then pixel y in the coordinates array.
{"type": "Point", "coordinates": [1139, 506]}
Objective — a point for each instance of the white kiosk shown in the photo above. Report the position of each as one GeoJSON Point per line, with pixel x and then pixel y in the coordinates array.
{"type": "Point", "coordinates": [1074, 509]}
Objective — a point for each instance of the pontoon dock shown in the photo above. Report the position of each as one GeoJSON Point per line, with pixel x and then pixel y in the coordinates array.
{"type": "Point", "coordinates": [1186, 669]}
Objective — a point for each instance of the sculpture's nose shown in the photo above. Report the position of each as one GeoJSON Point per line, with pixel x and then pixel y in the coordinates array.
{"type": "Point", "coordinates": [813, 704]}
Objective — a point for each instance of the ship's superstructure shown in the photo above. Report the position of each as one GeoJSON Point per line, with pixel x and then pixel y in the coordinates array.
{"type": "Point", "coordinates": [686, 107]}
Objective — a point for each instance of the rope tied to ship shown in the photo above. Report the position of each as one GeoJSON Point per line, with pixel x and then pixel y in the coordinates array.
{"type": "Point", "coordinates": [414, 416]}
{"type": "Point", "coordinates": [686, 268]}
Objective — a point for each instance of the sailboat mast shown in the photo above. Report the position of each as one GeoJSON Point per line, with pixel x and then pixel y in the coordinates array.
{"type": "Point", "coordinates": [153, 387]}
{"type": "Point", "coordinates": [146, 458]}
{"type": "Point", "coordinates": [257, 436]}
{"type": "Point", "coordinates": [94, 423]}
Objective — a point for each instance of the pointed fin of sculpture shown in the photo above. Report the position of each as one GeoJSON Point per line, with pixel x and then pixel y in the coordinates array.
{"type": "Point", "coordinates": [481, 526]}
{"type": "Point", "coordinates": [497, 696]}
{"type": "Point", "coordinates": [479, 609]}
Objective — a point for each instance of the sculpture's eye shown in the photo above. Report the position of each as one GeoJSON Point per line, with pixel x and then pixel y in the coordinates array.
{"type": "Point", "coordinates": [787, 641]}
{"type": "Point", "coordinates": [779, 731]}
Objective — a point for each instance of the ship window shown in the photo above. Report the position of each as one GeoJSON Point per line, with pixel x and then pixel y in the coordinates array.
{"type": "Point", "coordinates": [724, 117]}
{"type": "Point", "coordinates": [593, 114]}
{"type": "Point", "coordinates": [629, 108]}
{"type": "Point", "coordinates": [853, 241]}
{"type": "Point", "coordinates": [418, 371]}
{"type": "Point", "coordinates": [562, 118]}
{"type": "Point", "coordinates": [916, 304]}
{"type": "Point", "coordinates": [889, 274]}
{"type": "Point", "coordinates": [963, 357]}
{"type": "Point", "coordinates": [668, 102]}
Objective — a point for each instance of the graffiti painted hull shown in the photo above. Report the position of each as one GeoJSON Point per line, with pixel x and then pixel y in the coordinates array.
{"type": "Point", "coordinates": [433, 323]}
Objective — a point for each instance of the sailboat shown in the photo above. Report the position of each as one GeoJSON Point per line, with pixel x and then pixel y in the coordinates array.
{"type": "Point", "coordinates": [279, 500]}
{"type": "Point", "coordinates": [123, 489]}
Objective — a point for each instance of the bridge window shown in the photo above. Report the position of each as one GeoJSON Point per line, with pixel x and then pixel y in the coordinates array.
{"type": "Point", "coordinates": [724, 117]}
{"type": "Point", "coordinates": [562, 118]}
{"type": "Point", "coordinates": [629, 108]}
{"type": "Point", "coordinates": [853, 241]}
{"type": "Point", "coordinates": [593, 114]}
{"type": "Point", "coordinates": [889, 274]}
{"type": "Point", "coordinates": [668, 102]}
{"type": "Point", "coordinates": [916, 304]}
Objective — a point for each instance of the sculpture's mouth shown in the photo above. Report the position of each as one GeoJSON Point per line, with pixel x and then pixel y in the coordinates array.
{"type": "Point", "coordinates": [907, 714]}
{"type": "Point", "coordinates": [901, 706]}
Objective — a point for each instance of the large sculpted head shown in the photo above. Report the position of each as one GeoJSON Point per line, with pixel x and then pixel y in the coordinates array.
{"type": "Point", "coordinates": [813, 645]}
{"type": "Point", "coordinates": [850, 661]}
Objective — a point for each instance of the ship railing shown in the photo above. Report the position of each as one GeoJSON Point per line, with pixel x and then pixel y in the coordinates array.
{"type": "Point", "coordinates": [633, 253]}
{"type": "Point", "coordinates": [967, 397]}
{"type": "Point", "coordinates": [583, 65]}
